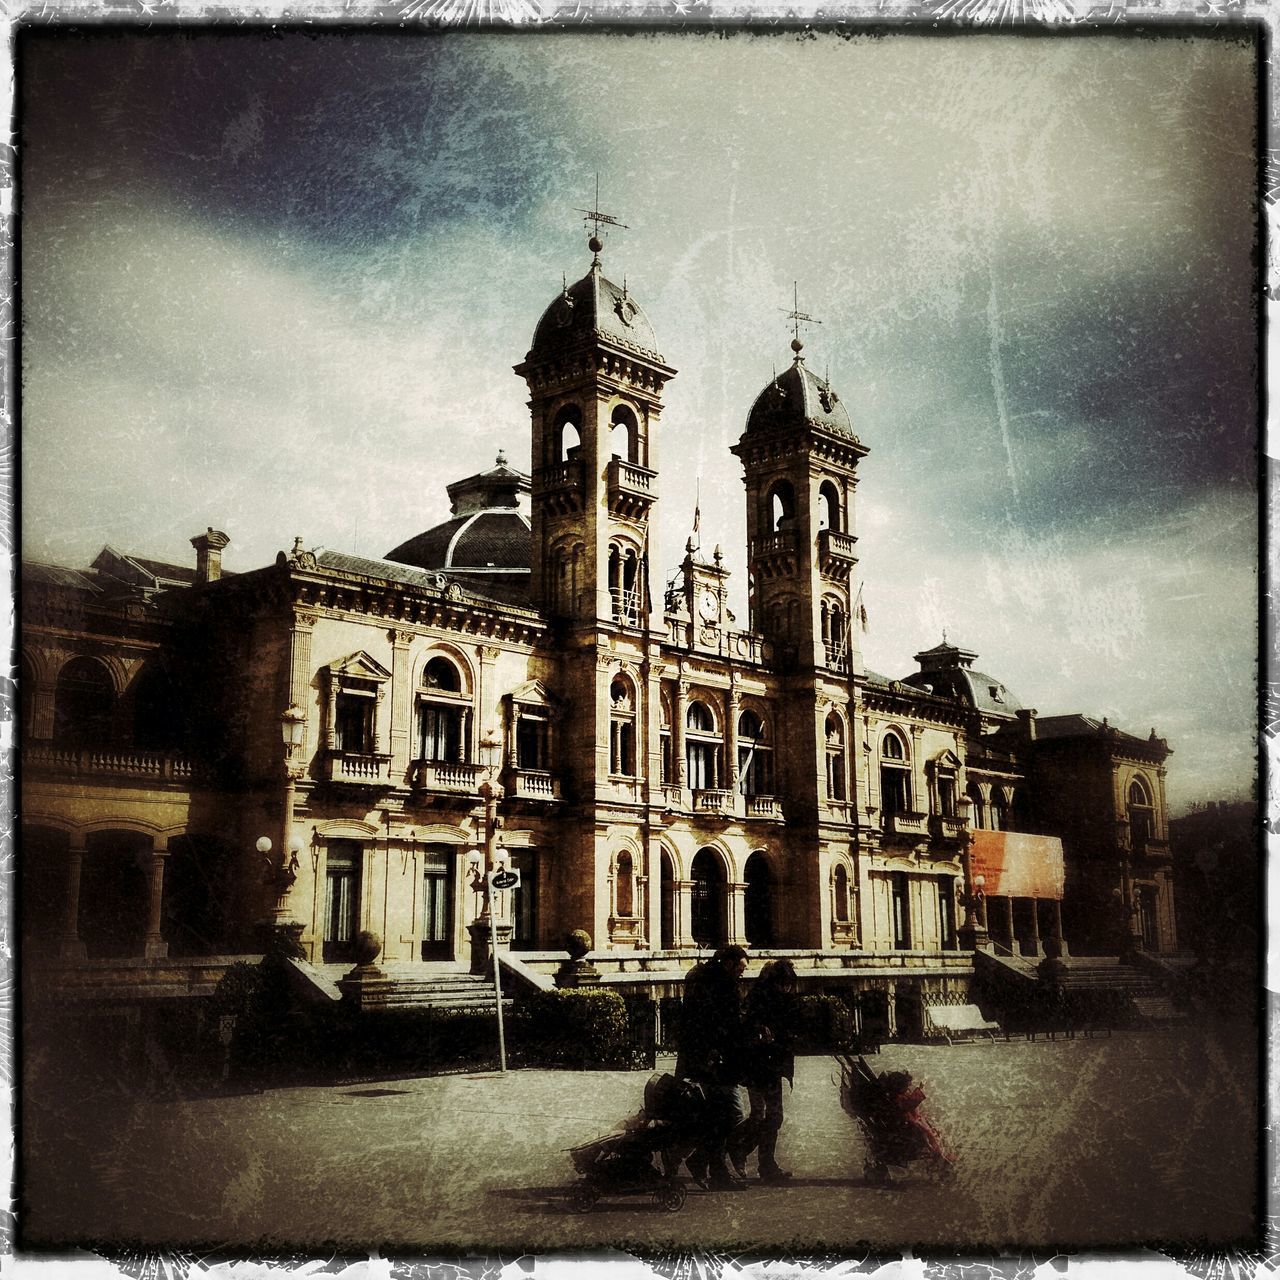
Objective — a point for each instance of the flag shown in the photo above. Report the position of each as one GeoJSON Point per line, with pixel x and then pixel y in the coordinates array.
{"type": "Point", "coordinates": [860, 609]}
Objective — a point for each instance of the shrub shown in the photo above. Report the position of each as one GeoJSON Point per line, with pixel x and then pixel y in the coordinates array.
{"type": "Point", "coordinates": [825, 1025]}
{"type": "Point", "coordinates": [575, 1027]}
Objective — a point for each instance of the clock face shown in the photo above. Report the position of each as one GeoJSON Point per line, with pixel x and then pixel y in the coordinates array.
{"type": "Point", "coordinates": [708, 605]}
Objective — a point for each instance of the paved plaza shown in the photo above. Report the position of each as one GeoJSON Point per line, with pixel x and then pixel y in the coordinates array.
{"type": "Point", "coordinates": [1141, 1138]}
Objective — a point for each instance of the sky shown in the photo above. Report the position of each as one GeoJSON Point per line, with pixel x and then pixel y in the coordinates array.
{"type": "Point", "coordinates": [276, 285]}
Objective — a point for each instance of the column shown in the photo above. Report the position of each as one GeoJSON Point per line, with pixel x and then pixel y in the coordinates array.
{"type": "Point", "coordinates": [70, 947]}
{"type": "Point", "coordinates": [736, 930]}
{"type": "Point", "coordinates": [1055, 926]}
{"type": "Point", "coordinates": [677, 734]}
{"type": "Point", "coordinates": [683, 912]}
{"type": "Point", "coordinates": [300, 667]}
{"type": "Point", "coordinates": [401, 700]}
{"type": "Point", "coordinates": [734, 707]}
{"type": "Point", "coordinates": [154, 947]}
{"type": "Point", "coordinates": [509, 753]}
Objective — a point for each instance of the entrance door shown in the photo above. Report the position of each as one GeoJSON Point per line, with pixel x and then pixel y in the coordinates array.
{"type": "Point", "coordinates": [341, 901]}
{"type": "Point", "coordinates": [758, 907]}
{"type": "Point", "coordinates": [524, 905]}
{"type": "Point", "coordinates": [709, 892]}
{"type": "Point", "coordinates": [437, 904]}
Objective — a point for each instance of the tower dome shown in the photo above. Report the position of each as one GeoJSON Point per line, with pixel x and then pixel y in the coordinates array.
{"type": "Point", "coordinates": [594, 309]}
{"type": "Point", "coordinates": [795, 398]}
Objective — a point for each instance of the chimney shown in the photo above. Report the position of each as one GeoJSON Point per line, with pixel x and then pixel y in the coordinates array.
{"type": "Point", "coordinates": [1027, 719]}
{"type": "Point", "coordinates": [208, 547]}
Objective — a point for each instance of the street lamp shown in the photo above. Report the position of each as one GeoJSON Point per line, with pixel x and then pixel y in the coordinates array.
{"type": "Point", "coordinates": [482, 926]}
{"type": "Point", "coordinates": [974, 931]}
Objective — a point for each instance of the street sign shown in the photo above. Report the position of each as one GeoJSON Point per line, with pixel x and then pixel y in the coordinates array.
{"type": "Point", "coordinates": [505, 879]}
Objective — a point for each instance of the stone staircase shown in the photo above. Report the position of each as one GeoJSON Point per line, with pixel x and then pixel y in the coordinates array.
{"type": "Point", "coordinates": [1107, 973]}
{"type": "Point", "coordinates": [422, 986]}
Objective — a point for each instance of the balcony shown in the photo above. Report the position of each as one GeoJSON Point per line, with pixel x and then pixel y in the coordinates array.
{"type": "Point", "coordinates": [773, 555]}
{"type": "Point", "coordinates": [358, 768]}
{"type": "Point", "coordinates": [158, 766]}
{"type": "Point", "coordinates": [1150, 847]}
{"type": "Point", "coordinates": [534, 784]}
{"type": "Point", "coordinates": [632, 489]}
{"type": "Point", "coordinates": [719, 803]}
{"type": "Point", "coordinates": [836, 657]}
{"type": "Point", "coordinates": [436, 777]}
{"type": "Point", "coordinates": [837, 553]}
{"type": "Point", "coordinates": [906, 824]}
{"type": "Point", "coordinates": [766, 808]}
{"type": "Point", "coordinates": [942, 827]}
{"type": "Point", "coordinates": [560, 487]}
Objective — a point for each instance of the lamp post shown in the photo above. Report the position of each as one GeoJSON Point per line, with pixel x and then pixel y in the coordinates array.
{"type": "Point", "coordinates": [280, 876]}
{"type": "Point", "coordinates": [486, 929]}
{"type": "Point", "coordinates": [973, 933]}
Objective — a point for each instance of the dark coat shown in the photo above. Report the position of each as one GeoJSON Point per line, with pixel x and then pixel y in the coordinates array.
{"type": "Point", "coordinates": [770, 1018]}
{"type": "Point", "coordinates": [711, 1026]}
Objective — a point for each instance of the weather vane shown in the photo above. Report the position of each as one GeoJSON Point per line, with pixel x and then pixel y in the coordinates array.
{"type": "Point", "coordinates": [598, 219]}
{"type": "Point", "coordinates": [797, 318]}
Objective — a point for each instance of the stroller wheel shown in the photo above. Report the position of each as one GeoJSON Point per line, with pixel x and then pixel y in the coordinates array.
{"type": "Point", "coordinates": [582, 1198]}
{"type": "Point", "coordinates": [670, 1198]}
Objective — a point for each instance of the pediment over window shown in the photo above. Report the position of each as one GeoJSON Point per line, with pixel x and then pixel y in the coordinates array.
{"type": "Point", "coordinates": [947, 761]}
{"type": "Point", "coordinates": [534, 693]}
{"type": "Point", "coordinates": [358, 666]}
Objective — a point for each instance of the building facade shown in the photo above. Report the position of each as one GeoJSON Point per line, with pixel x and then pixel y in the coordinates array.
{"type": "Point", "coordinates": [341, 744]}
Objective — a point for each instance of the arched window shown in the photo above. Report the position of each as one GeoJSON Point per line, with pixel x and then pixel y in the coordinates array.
{"type": "Point", "coordinates": [835, 635]}
{"type": "Point", "coordinates": [566, 436]}
{"type": "Point", "coordinates": [702, 748]}
{"type": "Point", "coordinates": [1141, 814]}
{"type": "Point", "coordinates": [755, 756]}
{"type": "Point", "coordinates": [622, 728]}
{"type": "Point", "coordinates": [444, 714]}
{"type": "Point", "coordinates": [895, 776]}
{"type": "Point", "coordinates": [829, 507]}
{"type": "Point", "coordinates": [978, 812]}
{"type": "Point", "coordinates": [834, 732]}
{"type": "Point", "coordinates": [999, 809]}
{"type": "Point", "coordinates": [625, 885]}
{"type": "Point", "coordinates": [624, 435]}
{"type": "Point", "coordinates": [840, 894]}
{"type": "Point", "coordinates": [780, 504]}
{"type": "Point", "coordinates": [624, 584]}
{"type": "Point", "coordinates": [84, 704]}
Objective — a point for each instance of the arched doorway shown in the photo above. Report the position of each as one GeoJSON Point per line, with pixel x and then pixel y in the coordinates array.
{"type": "Point", "coordinates": [758, 903]}
{"type": "Point", "coordinates": [708, 902]}
{"type": "Point", "coordinates": [115, 881]}
{"type": "Point", "coordinates": [667, 921]}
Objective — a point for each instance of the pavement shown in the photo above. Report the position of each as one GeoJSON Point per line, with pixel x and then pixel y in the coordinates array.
{"type": "Point", "coordinates": [1142, 1138]}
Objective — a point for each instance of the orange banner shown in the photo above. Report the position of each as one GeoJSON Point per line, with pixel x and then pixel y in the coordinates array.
{"type": "Point", "coordinates": [1017, 865]}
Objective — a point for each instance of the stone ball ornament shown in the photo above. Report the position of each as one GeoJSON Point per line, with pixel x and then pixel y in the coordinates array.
{"type": "Point", "coordinates": [367, 947]}
{"type": "Point", "coordinates": [577, 943]}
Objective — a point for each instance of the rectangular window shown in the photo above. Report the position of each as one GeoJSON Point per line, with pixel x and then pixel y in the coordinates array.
{"type": "Point", "coordinates": [440, 736]}
{"type": "Point", "coordinates": [531, 742]}
{"type": "Point", "coordinates": [665, 743]}
{"type": "Point", "coordinates": [755, 769]}
{"type": "Point", "coordinates": [622, 754]}
{"type": "Point", "coordinates": [701, 762]}
{"type": "Point", "coordinates": [900, 890]}
{"type": "Point", "coordinates": [946, 795]}
{"type": "Point", "coordinates": [947, 912]}
{"type": "Point", "coordinates": [341, 899]}
{"type": "Point", "coordinates": [353, 722]}
{"type": "Point", "coordinates": [895, 793]}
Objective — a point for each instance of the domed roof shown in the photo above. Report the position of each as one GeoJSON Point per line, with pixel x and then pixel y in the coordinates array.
{"type": "Point", "coordinates": [595, 307]}
{"type": "Point", "coordinates": [797, 397]}
{"type": "Point", "coordinates": [487, 542]}
{"type": "Point", "coordinates": [946, 671]}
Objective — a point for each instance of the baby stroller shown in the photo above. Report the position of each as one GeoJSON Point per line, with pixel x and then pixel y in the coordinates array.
{"type": "Point", "coordinates": [622, 1163]}
{"type": "Point", "coordinates": [885, 1107]}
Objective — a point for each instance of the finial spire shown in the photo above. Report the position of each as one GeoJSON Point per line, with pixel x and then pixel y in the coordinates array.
{"type": "Point", "coordinates": [798, 317]}
{"type": "Point", "coordinates": [598, 219]}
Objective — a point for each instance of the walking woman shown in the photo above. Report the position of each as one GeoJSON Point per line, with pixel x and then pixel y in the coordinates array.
{"type": "Point", "coordinates": [769, 1024]}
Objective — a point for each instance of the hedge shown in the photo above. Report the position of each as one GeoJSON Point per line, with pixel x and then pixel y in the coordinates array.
{"type": "Point", "coordinates": [575, 1027]}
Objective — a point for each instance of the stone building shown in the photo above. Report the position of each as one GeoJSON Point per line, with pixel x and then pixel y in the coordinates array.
{"type": "Point", "coordinates": [338, 744]}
